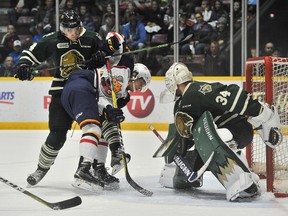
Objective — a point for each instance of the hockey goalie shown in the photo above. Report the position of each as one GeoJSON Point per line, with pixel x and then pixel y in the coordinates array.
{"type": "Point", "coordinates": [212, 123]}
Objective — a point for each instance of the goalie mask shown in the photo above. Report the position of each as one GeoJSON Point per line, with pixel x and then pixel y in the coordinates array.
{"type": "Point", "coordinates": [177, 74]}
{"type": "Point", "coordinates": [141, 72]}
{"type": "Point", "coordinates": [114, 60]}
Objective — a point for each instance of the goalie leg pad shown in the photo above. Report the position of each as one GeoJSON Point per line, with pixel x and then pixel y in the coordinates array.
{"type": "Point", "coordinates": [226, 165]}
{"type": "Point", "coordinates": [244, 187]}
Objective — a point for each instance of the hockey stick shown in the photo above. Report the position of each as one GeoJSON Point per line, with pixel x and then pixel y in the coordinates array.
{"type": "Point", "coordinates": [153, 47]}
{"type": "Point", "coordinates": [69, 203]}
{"type": "Point", "coordinates": [191, 175]}
{"type": "Point", "coordinates": [127, 175]}
{"type": "Point", "coordinates": [118, 54]}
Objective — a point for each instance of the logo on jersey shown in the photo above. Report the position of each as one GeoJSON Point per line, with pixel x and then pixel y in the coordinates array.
{"type": "Point", "coordinates": [62, 45]}
{"type": "Point", "coordinates": [206, 88]}
{"type": "Point", "coordinates": [68, 60]}
{"type": "Point", "coordinates": [117, 84]}
{"type": "Point", "coordinates": [141, 104]}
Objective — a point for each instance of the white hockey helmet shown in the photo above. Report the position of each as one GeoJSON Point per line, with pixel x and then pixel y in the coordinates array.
{"type": "Point", "coordinates": [177, 74]}
{"type": "Point", "coordinates": [116, 59]}
{"type": "Point", "coordinates": [141, 71]}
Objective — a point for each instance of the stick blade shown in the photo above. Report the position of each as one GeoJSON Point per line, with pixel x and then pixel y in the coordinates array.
{"type": "Point", "coordinates": [75, 201]}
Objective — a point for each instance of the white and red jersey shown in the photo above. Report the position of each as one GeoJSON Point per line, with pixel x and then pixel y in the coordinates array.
{"type": "Point", "coordinates": [120, 78]}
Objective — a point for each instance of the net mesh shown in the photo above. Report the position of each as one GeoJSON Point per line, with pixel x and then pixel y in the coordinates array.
{"type": "Point", "coordinates": [279, 158]}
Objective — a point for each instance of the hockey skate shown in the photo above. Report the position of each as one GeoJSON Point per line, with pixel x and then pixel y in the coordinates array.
{"type": "Point", "coordinates": [83, 178]}
{"type": "Point", "coordinates": [37, 176]}
{"type": "Point", "coordinates": [116, 160]}
{"type": "Point", "coordinates": [100, 173]}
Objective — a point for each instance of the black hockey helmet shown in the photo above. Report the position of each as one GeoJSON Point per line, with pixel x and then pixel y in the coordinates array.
{"type": "Point", "coordinates": [70, 19]}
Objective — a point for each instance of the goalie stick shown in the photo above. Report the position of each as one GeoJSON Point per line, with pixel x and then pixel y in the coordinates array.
{"type": "Point", "coordinates": [182, 164]}
{"type": "Point", "coordinates": [35, 72]}
{"type": "Point", "coordinates": [69, 203]}
{"type": "Point", "coordinates": [127, 175]}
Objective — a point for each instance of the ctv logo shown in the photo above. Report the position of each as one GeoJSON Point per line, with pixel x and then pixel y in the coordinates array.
{"type": "Point", "coordinates": [141, 104]}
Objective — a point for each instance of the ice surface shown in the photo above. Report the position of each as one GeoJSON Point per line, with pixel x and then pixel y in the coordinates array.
{"type": "Point", "coordinates": [19, 155]}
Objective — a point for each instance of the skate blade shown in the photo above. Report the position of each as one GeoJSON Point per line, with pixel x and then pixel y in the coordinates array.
{"type": "Point", "coordinates": [84, 185]}
{"type": "Point", "coordinates": [117, 167]}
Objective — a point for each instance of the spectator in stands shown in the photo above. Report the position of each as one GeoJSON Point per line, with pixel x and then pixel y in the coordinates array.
{"type": "Point", "coordinates": [220, 10]}
{"type": "Point", "coordinates": [268, 49]}
{"type": "Point", "coordinates": [168, 19]}
{"type": "Point", "coordinates": [17, 46]}
{"type": "Point", "coordinates": [221, 33]}
{"type": "Point", "coordinates": [154, 19]}
{"type": "Point", "coordinates": [45, 14]}
{"type": "Point", "coordinates": [131, 7]}
{"type": "Point", "coordinates": [109, 25]}
{"type": "Point", "coordinates": [215, 63]}
{"type": "Point", "coordinates": [110, 8]}
{"type": "Point", "coordinates": [135, 35]}
{"type": "Point", "coordinates": [40, 33]}
{"type": "Point", "coordinates": [202, 35]}
{"type": "Point", "coordinates": [15, 12]}
{"type": "Point", "coordinates": [86, 18]}
{"type": "Point", "coordinates": [6, 69]}
{"type": "Point", "coordinates": [67, 5]}
{"type": "Point", "coordinates": [209, 15]}
{"type": "Point", "coordinates": [237, 15]}
{"type": "Point", "coordinates": [8, 39]}
{"type": "Point", "coordinates": [184, 31]}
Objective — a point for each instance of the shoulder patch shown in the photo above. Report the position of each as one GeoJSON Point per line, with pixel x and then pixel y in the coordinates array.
{"type": "Point", "coordinates": [206, 88]}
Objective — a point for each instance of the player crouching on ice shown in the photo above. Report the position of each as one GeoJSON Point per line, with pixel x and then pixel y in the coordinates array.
{"type": "Point", "coordinates": [218, 121]}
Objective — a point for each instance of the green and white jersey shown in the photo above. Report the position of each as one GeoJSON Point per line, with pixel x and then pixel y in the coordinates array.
{"type": "Point", "coordinates": [227, 103]}
{"type": "Point", "coordinates": [63, 51]}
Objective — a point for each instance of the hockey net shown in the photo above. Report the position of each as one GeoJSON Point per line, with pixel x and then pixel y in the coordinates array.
{"type": "Point", "coordinates": [267, 80]}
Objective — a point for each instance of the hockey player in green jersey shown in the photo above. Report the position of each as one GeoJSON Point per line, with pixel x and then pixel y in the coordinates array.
{"type": "Point", "coordinates": [76, 47]}
{"type": "Point", "coordinates": [219, 119]}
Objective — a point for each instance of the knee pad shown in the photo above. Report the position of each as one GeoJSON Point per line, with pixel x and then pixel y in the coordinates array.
{"type": "Point", "coordinates": [56, 138]}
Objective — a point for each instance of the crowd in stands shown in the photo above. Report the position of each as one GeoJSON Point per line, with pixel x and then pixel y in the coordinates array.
{"type": "Point", "coordinates": [143, 23]}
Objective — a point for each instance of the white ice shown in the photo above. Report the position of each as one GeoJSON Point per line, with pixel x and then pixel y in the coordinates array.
{"type": "Point", "coordinates": [19, 156]}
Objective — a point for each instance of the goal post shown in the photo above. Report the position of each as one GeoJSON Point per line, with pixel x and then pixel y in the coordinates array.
{"type": "Point", "coordinates": [267, 80]}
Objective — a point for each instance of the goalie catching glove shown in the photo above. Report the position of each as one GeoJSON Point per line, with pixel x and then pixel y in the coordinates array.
{"type": "Point", "coordinates": [267, 123]}
{"type": "Point", "coordinates": [184, 124]}
{"type": "Point", "coordinates": [114, 115]}
{"type": "Point", "coordinates": [24, 72]}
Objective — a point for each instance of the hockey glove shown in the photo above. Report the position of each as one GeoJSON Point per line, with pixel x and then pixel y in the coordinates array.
{"type": "Point", "coordinates": [113, 44]}
{"type": "Point", "coordinates": [121, 102]}
{"type": "Point", "coordinates": [24, 72]}
{"type": "Point", "coordinates": [97, 60]}
{"type": "Point", "coordinates": [114, 115]}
